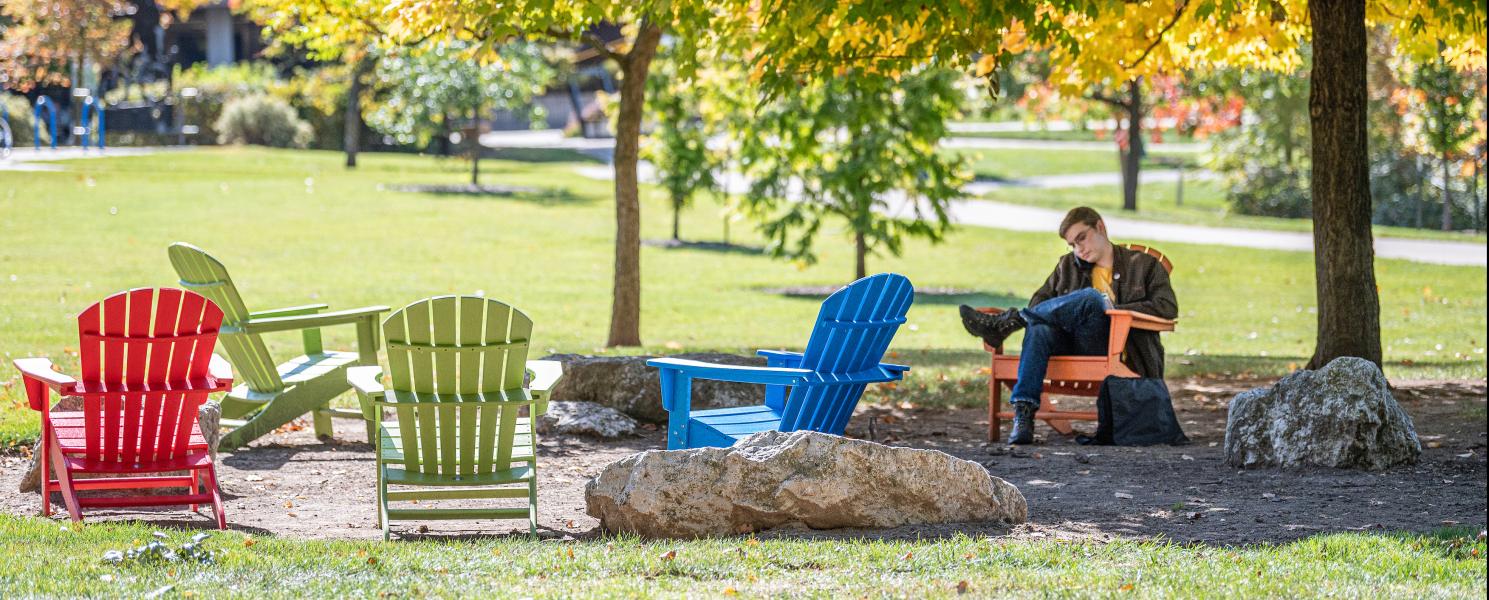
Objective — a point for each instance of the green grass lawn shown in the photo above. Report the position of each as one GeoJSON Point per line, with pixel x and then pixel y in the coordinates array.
{"type": "Point", "coordinates": [53, 560]}
{"type": "Point", "coordinates": [296, 228]}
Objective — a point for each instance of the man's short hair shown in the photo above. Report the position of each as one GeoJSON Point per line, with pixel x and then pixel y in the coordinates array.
{"type": "Point", "coordinates": [1080, 214]}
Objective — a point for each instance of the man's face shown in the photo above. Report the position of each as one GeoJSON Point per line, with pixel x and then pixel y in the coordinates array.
{"type": "Point", "coordinates": [1087, 242]}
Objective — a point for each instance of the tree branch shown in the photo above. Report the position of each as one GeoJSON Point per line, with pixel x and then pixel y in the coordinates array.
{"type": "Point", "coordinates": [598, 44]}
{"type": "Point", "coordinates": [1159, 39]}
{"type": "Point", "coordinates": [1100, 97]}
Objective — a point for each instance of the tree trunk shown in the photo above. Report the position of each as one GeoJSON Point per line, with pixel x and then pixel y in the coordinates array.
{"type": "Point", "coordinates": [1423, 183]}
{"type": "Point", "coordinates": [1447, 197]}
{"type": "Point", "coordinates": [1132, 161]}
{"type": "Point", "coordinates": [677, 202]}
{"type": "Point", "coordinates": [1344, 259]}
{"type": "Point", "coordinates": [475, 147]}
{"type": "Point", "coordinates": [351, 135]}
{"type": "Point", "coordinates": [860, 255]}
{"type": "Point", "coordinates": [625, 308]}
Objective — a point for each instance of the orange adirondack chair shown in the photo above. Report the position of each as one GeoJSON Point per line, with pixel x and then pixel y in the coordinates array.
{"type": "Point", "coordinates": [1071, 375]}
{"type": "Point", "coordinates": [147, 366]}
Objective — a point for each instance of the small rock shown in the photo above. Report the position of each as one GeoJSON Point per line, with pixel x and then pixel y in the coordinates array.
{"type": "Point", "coordinates": [1341, 416]}
{"type": "Point", "coordinates": [585, 418]}
{"type": "Point", "coordinates": [626, 384]}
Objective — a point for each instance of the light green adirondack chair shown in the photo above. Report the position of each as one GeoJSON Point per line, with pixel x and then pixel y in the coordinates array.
{"type": "Point", "coordinates": [272, 395]}
{"type": "Point", "coordinates": [457, 365]}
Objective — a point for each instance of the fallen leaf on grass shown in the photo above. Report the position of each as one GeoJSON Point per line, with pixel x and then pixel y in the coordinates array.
{"type": "Point", "coordinates": [962, 586]}
{"type": "Point", "coordinates": [671, 554]}
{"type": "Point", "coordinates": [907, 556]}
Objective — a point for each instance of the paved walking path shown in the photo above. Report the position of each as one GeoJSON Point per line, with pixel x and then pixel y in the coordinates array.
{"type": "Point", "coordinates": [986, 213]}
{"type": "Point", "coordinates": [29, 159]}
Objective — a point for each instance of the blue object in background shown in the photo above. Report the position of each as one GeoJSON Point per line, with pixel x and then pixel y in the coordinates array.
{"type": "Point", "coordinates": [814, 390]}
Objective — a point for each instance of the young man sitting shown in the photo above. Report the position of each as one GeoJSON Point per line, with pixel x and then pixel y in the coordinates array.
{"type": "Point", "coordinates": [1067, 316]}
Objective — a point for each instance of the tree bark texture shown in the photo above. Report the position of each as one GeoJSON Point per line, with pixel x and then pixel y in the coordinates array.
{"type": "Point", "coordinates": [1344, 259]}
{"type": "Point", "coordinates": [475, 147]}
{"type": "Point", "coordinates": [351, 136]}
{"type": "Point", "coordinates": [860, 257]}
{"type": "Point", "coordinates": [1132, 158]}
{"type": "Point", "coordinates": [1447, 197]}
{"type": "Point", "coordinates": [625, 308]}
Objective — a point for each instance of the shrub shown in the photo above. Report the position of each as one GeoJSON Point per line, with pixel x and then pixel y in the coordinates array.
{"type": "Point", "coordinates": [215, 87]}
{"type": "Point", "coordinates": [20, 120]}
{"type": "Point", "coordinates": [264, 120]}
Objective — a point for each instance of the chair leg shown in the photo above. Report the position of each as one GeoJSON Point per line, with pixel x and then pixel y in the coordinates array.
{"type": "Point", "coordinates": [322, 423]}
{"type": "Point", "coordinates": [994, 404]}
{"type": "Point", "coordinates": [195, 487]}
{"type": "Point", "coordinates": [382, 502]}
{"type": "Point", "coordinates": [45, 473]}
{"type": "Point", "coordinates": [532, 504]}
{"type": "Point", "coordinates": [1060, 425]}
{"type": "Point", "coordinates": [210, 475]}
{"type": "Point", "coordinates": [64, 479]}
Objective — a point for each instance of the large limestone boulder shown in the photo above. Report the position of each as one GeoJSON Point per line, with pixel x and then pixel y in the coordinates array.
{"type": "Point", "coordinates": [585, 418]}
{"type": "Point", "coordinates": [802, 478]}
{"type": "Point", "coordinates": [208, 416]}
{"type": "Point", "coordinates": [626, 384]}
{"type": "Point", "coordinates": [1341, 416]}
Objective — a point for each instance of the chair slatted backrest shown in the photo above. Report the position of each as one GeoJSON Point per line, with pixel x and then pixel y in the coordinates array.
{"type": "Point", "coordinates": [201, 273]}
{"type": "Point", "coordinates": [852, 333]}
{"type": "Point", "coordinates": [1168, 265]}
{"type": "Point", "coordinates": [457, 365]}
{"type": "Point", "coordinates": [144, 357]}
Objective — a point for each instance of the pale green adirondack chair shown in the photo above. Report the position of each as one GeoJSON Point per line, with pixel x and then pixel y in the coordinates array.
{"type": "Point", "coordinates": [272, 395]}
{"type": "Point", "coordinates": [457, 368]}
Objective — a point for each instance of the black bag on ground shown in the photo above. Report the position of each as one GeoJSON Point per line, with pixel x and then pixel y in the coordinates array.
{"type": "Point", "coordinates": [1135, 411]}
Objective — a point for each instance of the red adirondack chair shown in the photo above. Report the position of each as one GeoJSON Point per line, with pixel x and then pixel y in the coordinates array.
{"type": "Point", "coordinates": [147, 366]}
{"type": "Point", "coordinates": [1071, 375]}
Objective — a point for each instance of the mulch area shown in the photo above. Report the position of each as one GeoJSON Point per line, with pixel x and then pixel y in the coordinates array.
{"type": "Point", "coordinates": [291, 484]}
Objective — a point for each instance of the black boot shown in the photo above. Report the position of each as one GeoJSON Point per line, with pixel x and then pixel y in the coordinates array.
{"type": "Point", "coordinates": [993, 329]}
{"type": "Point", "coordinates": [1023, 424]}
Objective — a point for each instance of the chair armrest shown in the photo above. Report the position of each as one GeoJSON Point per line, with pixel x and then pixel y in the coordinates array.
{"type": "Point", "coordinates": [38, 375]}
{"type": "Point", "coordinates": [1145, 320]}
{"type": "Point", "coordinates": [367, 381]}
{"type": "Point", "coordinates": [894, 368]}
{"type": "Point", "coordinates": [780, 358]}
{"type": "Point", "coordinates": [221, 371]}
{"type": "Point", "coordinates": [734, 373]}
{"type": "Point", "coordinates": [545, 373]}
{"type": "Point", "coordinates": [308, 309]}
{"type": "Point", "coordinates": [296, 322]}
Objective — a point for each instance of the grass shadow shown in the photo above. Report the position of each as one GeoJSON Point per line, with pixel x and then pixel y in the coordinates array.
{"type": "Point", "coordinates": [717, 247]}
{"type": "Point", "coordinates": [496, 191]}
{"type": "Point", "coordinates": [540, 155]}
{"type": "Point", "coordinates": [939, 296]}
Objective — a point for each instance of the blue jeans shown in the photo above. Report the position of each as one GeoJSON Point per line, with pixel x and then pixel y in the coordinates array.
{"type": "Point", "coordinates": [1073, 324]}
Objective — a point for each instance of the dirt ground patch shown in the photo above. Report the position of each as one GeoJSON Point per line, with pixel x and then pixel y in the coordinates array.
{"type": "Point", "coordinates": [294, 485]}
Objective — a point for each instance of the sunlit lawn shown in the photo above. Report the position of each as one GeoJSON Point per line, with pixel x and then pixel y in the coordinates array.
{"type": "Point", "coordinates": [296, 227]}
{"type": "Point", "coordinates": [52, 560]}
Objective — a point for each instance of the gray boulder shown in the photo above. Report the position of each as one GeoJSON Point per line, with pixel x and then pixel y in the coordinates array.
{"type": "Point", "coordinates": [626, 384]}
{"type": "Point", "coordinates": [208, 417]}
{"type": "Point", "coordinates": [1342, 415]}
{"type": "Point", "coordinates": [585, 418]}
{"type": "Point", "coordinates": [796, 479]}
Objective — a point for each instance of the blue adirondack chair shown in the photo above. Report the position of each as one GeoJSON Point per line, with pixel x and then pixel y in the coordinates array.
{"type": "Point", "coordinates": [814, 390]}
